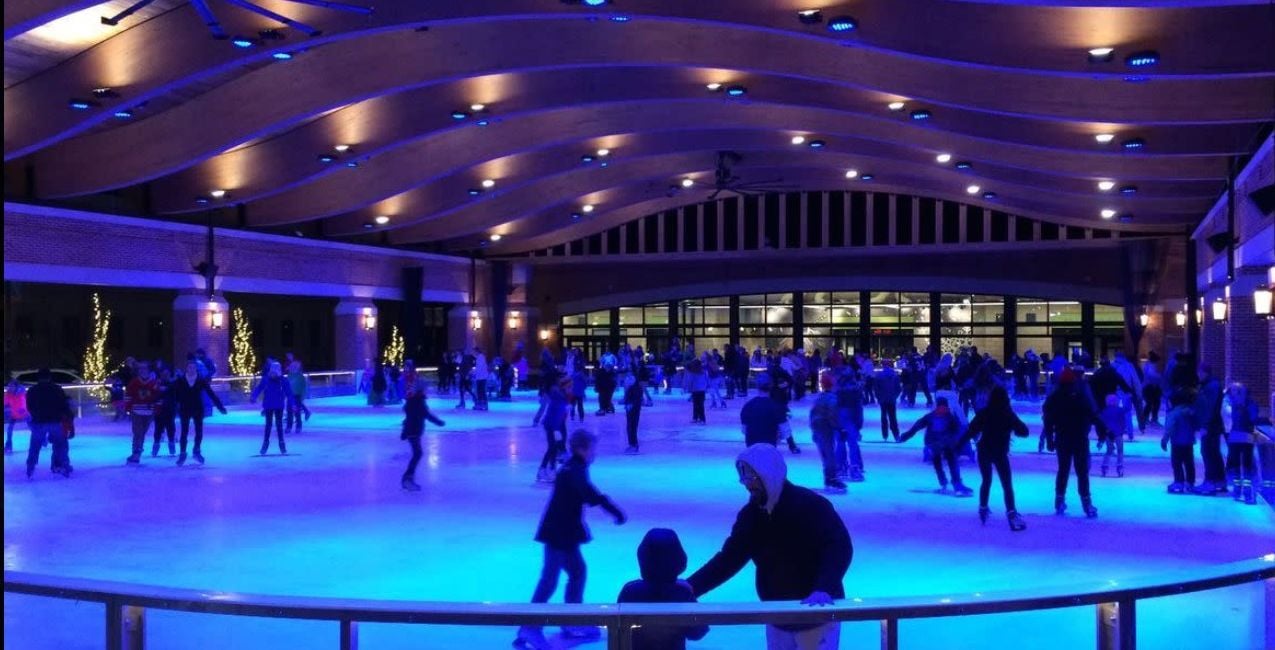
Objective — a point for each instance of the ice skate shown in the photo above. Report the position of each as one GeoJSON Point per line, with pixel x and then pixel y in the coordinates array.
{"type": "Point", "coordinates": [199, 458]}
{"type": "Point", "coordinates": [631, 450]}
{"type": "Point", "coordinates": [961, 490]}
{"type": "Point", "coordinates": [181, 459]}
{"type": "Point", "coordinates": [531, 638]}
{"type": "Point", "coordinates": [834, 486]}
{"type": "Point", "coordinates": [983, 512]}
{"type": "Point", "coordinates": [582, 632]}
{"type": "Point", "coordinates": [1060, 506]}
{"type": "Point", "coordinates": [1120, 471]}
{"type": "Point", "coordinates": [1104, 471]}
{"type": "Point", "coordinates": [135, 459]}
{"type": "Point", "coordinates": [1016, 522]}
{"type": "Point", "coordinates": [410, 485]}
{"type": "Point", "coordinates": [1090, 511]}
{"type": "Point", "coordinates": [856, 475]}
{"type": "Point", "coordinates": [1176, 487]}
{"type": "Point", "coordinates": [172, 448]}
{"type": "Point", "coordinates": [154, 450]}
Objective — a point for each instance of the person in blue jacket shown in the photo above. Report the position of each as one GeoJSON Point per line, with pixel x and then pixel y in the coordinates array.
{"type": "Point", "coordinates": [661, 560]}
{"type": "Point", "coordinates": [277, 395]}
{"type": "Point", "coordinates": [943, 432]}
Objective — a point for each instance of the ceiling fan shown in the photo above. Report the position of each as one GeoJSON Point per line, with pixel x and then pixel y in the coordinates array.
{"type": "Point", "coordinates": [725, 180]}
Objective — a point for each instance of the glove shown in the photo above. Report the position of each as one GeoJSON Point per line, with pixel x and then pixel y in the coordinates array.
{"type": "Point", "coordinates": [1164, 444]}
{"type": "Point", "coordinates": [442, 423]}
{"type": "Point", "coordinates": [621, 518]}
{"type": "Point", "coordinates": [222, 409]}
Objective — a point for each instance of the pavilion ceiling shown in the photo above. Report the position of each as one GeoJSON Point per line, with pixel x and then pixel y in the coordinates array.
{"type": "Point", "coordinates": [1009, 89]}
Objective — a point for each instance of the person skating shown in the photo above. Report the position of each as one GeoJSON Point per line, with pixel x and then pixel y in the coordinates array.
{"type": "Point", "coordinates": [850, 411]}
{"type": "Point", "coordinates": [695, 381]}
{"type": "Point", "coordinates": [579, 386]}
{"type": "Point", "coordinates": [888, 388]}
{"type": "Point", "coordinates": [604, 380]}
{"type": "Point", "coordinates": [1116, 420]}
{"type": "Point", "coordinates": [943, 431]}
{"type": "Point", "coordinates": [661, 560]}
{"type": "Point", "coordinates": [562, 531]}
{"type": "Point", "coordinates": [15, 410]}
{"type": "Point", "coordinates": [165, 414]}
{"type": "Point", "coordinates": [992, 428]}
{"type": "Point", "coordinates": [825, 421]}
{"type": "Point", "coordinates": [1208, 417]}
{"type": "Point", "coordinates": [50, 409]}
{"type": "Point", "coordinates": [781, 392]}
{"type": "Point", "coordinates": [415, 413]}
{"type": "Point", "coordinates": [191, 389]}
{"type": "Point", "coordinates": [795, 539]}
{"type": "Point", "coordinates": [1179, 431]}
{"type": "Point", "coordinates": [1239, 416]}
{"type": "Point", "coordinates": [300, 385]}
{"type": "Point", "coordinates": [761, 418]}
{"type": "Point", "coordinates": [1067, 414]}
{"type": "Point", "coordinates": [554, 421]}
{"type": "Point", "coordinates": [633, 401]}
{"type": "Point", "coordinates": [140, 399]}
{"type": "Point", "coordinates": [278, 392]}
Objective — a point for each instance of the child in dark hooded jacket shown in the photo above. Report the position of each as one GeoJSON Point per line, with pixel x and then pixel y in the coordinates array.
{"type": "Point", "coordinates": [943, 433]}
{"type": "Point", "coordinates": [662, 559]}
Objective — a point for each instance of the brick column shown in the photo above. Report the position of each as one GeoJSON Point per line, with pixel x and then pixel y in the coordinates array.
{"type": "Point", "coordinates": [1212, 334]}
{"type": "Point", "coordinates": [355, 343]}
{"type": "Point", "coordinates": [1248, 339]}
{"type": "Point", "coordinates": [193, 329]}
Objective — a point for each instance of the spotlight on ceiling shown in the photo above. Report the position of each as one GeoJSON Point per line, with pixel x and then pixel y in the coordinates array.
{"type": "Point", "coordinates": [488, 183]}
{"type": "Point", "coordinates": [282, 56]}
{"type": "Point", "coordinates": [1143, 59]}
{"type": "Point", "coordinates": [896, 106]}
{"type": "Point", "coordinates": [217, 194]}
{"type": "Point", "coordinates": [326, 158]}
{"type": "Point", "coordinates": [989, 195]}
{"type": "Point", "coordinates": [798, 139]}
{"type": "Point", "coordinates": [1104, 138]}
{"type": "Point", "coordinates": [483, 122]}
{"type": "Point", "coordinates": [587, 208]}
{"type": "Point", "coordinates": [495, 237]}
{"type": "Point", "coordinates": [81, 104]}
{"type": "Point", "coordinates": [818, 144]}
{"type": "Point", "coordinates": [201, 200]}
{"type": "Point", "coordinates": [973, 189]}
{"type": "Point", "coordinates": [943, 158]}
{"type": "Point", "coordinates": [575, 216]}
{"type": "Point", "coordinates": [367, 224]}
{"type": "Point", "coordinates": [810, 17]}
{"type": "Point", "coordinates": [687, 183]}
{"type": "Point", "coordinates": [921, 114]}
{"type": "Point", "coordinates": [595, 3]}
{"type": "Point", "coordinates": [460, 115]}
{"type": "Point", "coordinates": [1106, 186]}
{"type": "Point", "coordinates": [242, 42]}
{"type": "Point", "coordinates": [602, 153]}
{"type": "Point", "coordinates": [586, 159]}
{"type": "Point", "coordinates": [1107, 213]}
{"type": "Point", "coordinates": [477, 108]}
{"type": "Point", "coordinates": [352, 164]}
{"type": "Point", "coordinates": [1134, 143]}
{"type": "Point", "coordinates": [1101, 54]}
{"type": "Point", "coordinates": [842, 24]}
{"type": "Point", "coordinates": [1128, 189]}
{"type": "Point", "coordinates": [736, 91]}
{"type": "Point", "coordinates": [620, 18]}
{"type": "Point", "coordinates": [381, 219]}
{"type": "Point", "coordinates": [341, 148]}
{"type": "Point", "coordinates": [964, 164]}
{"type": "Point", "coordinates": [852, 173]}
{"type": "Point", "coordinates": [123, 113]}
{"type": "Point", "coordinates": [713, 87]}
{"type": "Point", "coordinates": [474, 191]}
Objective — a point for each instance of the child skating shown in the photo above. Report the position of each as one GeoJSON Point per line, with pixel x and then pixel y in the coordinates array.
{"type": "Point", "coordinates": [942, 434]}
{"type": "Point", "coordinates": [277, 394]}
{"type": "Point", "coordinates": [1117, 422]}
{"type": "Point", "coordinates": [415, 413]}
{"type": "Point", "coordinates": [661, 560]}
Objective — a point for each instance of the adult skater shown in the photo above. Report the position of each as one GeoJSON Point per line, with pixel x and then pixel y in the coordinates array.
{"type": "Point", "coordinates": [1208, 416]}
{"type": "Point", "coordinates": [415, 413]}
{"type": "Point", "coordinates": [15, 410]}
{"type": "Point", "coordinates": [633, 400]}
{"type": "Point", "coordinates": [277, 393]}
{"type": "Point", "coordinates": [992, 428]}
{"type": "Point", "coordinates": [140, 398]}
{"type": "Point", "coordinates": [796, 541]}
{"type": "Point", "coordinates": [761, 418]}
{"type": "Point", "coordinates": [1068, 413]}
{"type": "Point", "coordinates": [888, 389]}
{"type": "Point", "coordinates": [554, 421]}
{"type": "Point", "coordinates": [825, 421]}
{"type": "Point", "coordinates": [562, 531]}
{"type": "Point", "coordinates": [49, 408]}
{"type": "Point", "coordinates": [191, 388]}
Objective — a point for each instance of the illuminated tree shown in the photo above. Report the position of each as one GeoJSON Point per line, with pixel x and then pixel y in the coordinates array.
{"type": "Point", "coordinates": [243, 359]}
{"type": "Point", "coordinates": [394, 352]}
{"type": "Point", "coordinates": [97, 362]}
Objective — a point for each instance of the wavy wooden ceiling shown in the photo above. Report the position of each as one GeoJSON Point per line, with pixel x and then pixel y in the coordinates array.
{"type": "Point", "coordinates": [1009, 87]}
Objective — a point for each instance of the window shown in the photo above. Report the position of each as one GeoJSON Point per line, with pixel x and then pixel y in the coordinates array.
{"type": "Point", "coordinates": [670, 231]}
{"type": "Point", "coordinates": [770, 231]}
{"type": "Point", "coordinates": [903, 220]}
{"type": "Point", "coordinates": [690, 228]}
{"type": "Point", "coordinates": [613, 241]}
{"type": "Point", "coordinates": [287, 334]}
{"type": "Point", "coordinates": [973, 224]}
{"type": "Point", "coordinates": [559, 250]}
{"type": "Point", "coordinates": [814, 219]}
{"type": "Point", "coordinates": [710, 226]}
{"type": "Point", "coordinates": [651, 232]}
{"type": "Point", "coordinates": [766, 321]}
{"type": "Point", "coordinates": [730, 224]}
{"type": "Point", "coordinates": [1024, 229]}
{"type": "Point", "coordinates": [155, 332]}
{"type": "Point", "coordinates": [631, 238]}
{"type": "Point", "coordinates": [315, 334]}
{"type": "Point", "coordinates": [1048, 231]}
{"type": "Point", "coordinates": [951, 223]}
{"type": "Point", "coordinates": [880, 219]}
{"type": "Point", "coordinates": [577, 247]}
{"type": "Point", "coordinates": [928, 222]}
{"type": "Point", "coordinates": [258, 332]}
{"type": "Point", "coordinates": [1074, 232]}
{"type": "Point", "coordinates": [858, 219]}
{"type": "Point", "coordinates": [792, 220]}
{"type": "Point", "coordinates": [595, 243]}
{"type": "Point", "coordinates": [1000, 226]}
{"type": "Point", "coordinates": [836, 219]}
{"type": "Point", "coordinates": [751, 234]}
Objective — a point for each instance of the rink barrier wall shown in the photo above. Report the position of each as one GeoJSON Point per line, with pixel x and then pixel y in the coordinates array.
{"type": "Point", "coordinates": [1115, 605]}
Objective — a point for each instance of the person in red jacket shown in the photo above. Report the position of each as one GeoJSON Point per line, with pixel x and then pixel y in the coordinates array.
{"type": "Point", "coordinates": [140, 398]}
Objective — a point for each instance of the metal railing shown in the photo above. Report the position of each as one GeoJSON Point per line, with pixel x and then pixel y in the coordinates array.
{"type": "Point", "coordinates": [1115, 604]}
{"type": "Point", "coordinates": [88, 398]}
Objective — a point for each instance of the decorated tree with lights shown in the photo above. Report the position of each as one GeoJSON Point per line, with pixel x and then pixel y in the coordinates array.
{"type": "Point", "coordinates": [97, 361]}
{"type": "Point", "coordinates": [394, 352]}
{"type": "Point", "coordinates": [243, 359]}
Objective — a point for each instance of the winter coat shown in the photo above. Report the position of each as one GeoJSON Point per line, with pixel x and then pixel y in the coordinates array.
{"type": "Point", "coordinates": [796, 540]}
{"type": "Point", "coordinates": [825, 416]}
{"type": "Point", "coordinates": [661, 559]}
{"type": "Point", "coordinates": [1115, 419]}
{"type": "Point", "coordinates": [993, 430]}
{"type": "Point", "coordinates": [1068, 413]}
{"type": "Point", "coordinates": [141, 396]}
{"type": "Point", "coordinates": [47, 403]}
{"type": "Point", "coordinates": [562, 525]}
{"type": "Point", "coordinates": [15, 404]}
{"type": "Point", "coordinates": [415, 413]}
{"type": "Point", "coordinates": [850, 407]}
{"type": "Point", "coordinates": [633, 397]}
{"type": "Point", "coordinates": [556, 409]}
{"type": "Point", "coordinates": [887, 385]}
{"type": "Point", "coordinates": [696, 382]}
{"type": "Point", "coordinates": [579, 382]}
{"type": "Point", "coordinates": [943, 430]}
{"type": "Point", "coordinates": [190, 398]}
{"type": "Point", "coordinates": [761, 418]}
{"type": "Point", "coordinates": [1239, 419]}
{"type": "Point", "coordinates": [1208, 406]}
{"type": "Point", "coordinates": [300, 385]}
{"type": "Point", "coordinates": [1179, 425]}
{"type": "Point", "coordinates": [277, 393]}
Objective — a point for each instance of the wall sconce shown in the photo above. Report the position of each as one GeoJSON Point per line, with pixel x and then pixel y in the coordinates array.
{"type": "Point", "coordinates": [369, 319]}
{"type": "Point", "coordinates": [1262, 298]}
{"type": "Point", "coordinates": [1219, 311]}
{"type": "Point", "coordinates": [544, 334]}
{"type": "Point", "coordinates": [1180, 318]}
{"type": "Point", "coordinates": [475, 320]}
{"type": "Point", "coordinates": [216, 319]}
{"type": "Point", "coordinates": [1199, 317]}
{"type": "Point", "coordinates": [1144, 319]}
{"type": "Point", "coordinates": [515, 319]}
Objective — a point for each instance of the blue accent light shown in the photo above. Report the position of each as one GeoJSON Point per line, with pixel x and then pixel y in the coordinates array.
{"type": "Point", "coordinates": [586, 159]}
{"type": "Point", "coordinates": [352, 164]}
{"type": "Point", "coordinates": [842, 24]}
{"type": "Point", "coordinates": [866, 177]}
{"type": "Point", "coordinates": [460, 115]}
{"type": "Point", "coordinates": [123, 113]}
{"type": "Point", "coordinates": [604, 164]}
{"type": "Point", "coordinates": [327, 158]}
{"type": "Point", "coordinates": [964, 164]}
{"type": "Point", "coordinates": [736, 91]}
{"type": "Point", "coordinates": [575, 216]}
{"type": "Point", "coordinates": [620, 18]}
{"type": "Point", "coordinates": [1129, 189]}
{"type": "Point", "coordinates": [1134, 143]}
{"type": "Point", "coordinates": [1125, 218]}
{"type": "Point", "coordinates": [242, 42]}
{"type": "Point", "coordinates": [282, 56]}
{"type": "Point", "coordinates": [1142, 59]}
{"type": "Point", "coordinates": [594, 3]}
{"type": "Point", "coordinates": [989, 195]}
{"type": "Point", "coordinates": [81, 104]}
{"type": "Point", "coordinates": [1137, 78]}
{"type": "Point", "coordinates": [473, 191]}
{"type": "Point", "coordinates": [921, 114]}
{"type": "Point", "coordinates": [483, 122]}
{"type": "Point", "coordinates": [817, 144]}
{"type": "Point", "coordinates": [201, 200]}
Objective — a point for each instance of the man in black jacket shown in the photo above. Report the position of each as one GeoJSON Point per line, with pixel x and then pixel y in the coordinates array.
{"type": "Point", "coordinates": [48, 405]}
{"type": "Point", "coordinates": [796, 540]}
{"type": "Point", "coordinates": [1067, 415]}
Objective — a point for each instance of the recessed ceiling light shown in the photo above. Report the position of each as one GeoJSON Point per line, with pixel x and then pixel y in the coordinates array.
{"type": "Point", "coordinates": [1107, 213]}
{"type": "Point", "coordinates": [736, 91]}
{"type": "Point", "coordinates": [963, 164]}
{"type": "Point", "coordinates": [713, 87]}
{"type": "Point", "coordinates": [488, 183]}
{"type": "Point", "coordinates": [495, 237]}
{"type": "Point", "coordinates": [1104, 138]}
{"type": "Point", "coordinates": [586, 158]}
{"type": "Point", "coordinates": [381, 219]}
{"type": "Point", "coordinates": [123, 113]}
{"type": "Point", "coordinates": [852, 173]}
{"type": "Point", "coordinates": [943, 158]}
{"type": "Point", "coordinates": [595, 3]}
{"type": "Point", "coordinates": [896, 106]}
{"type": "Point", "coordinates": [620, 18]}
{"type": "Point", "coordinates": [921, 114]}
{"type": "Point", "coordinates": [326, 158]}
{"type": "Point", "coordinates": [459, 115]}
{"type": "Point", "coordinates": [1142, 59]}
{"type": "Point", "coordinates": [81, 104]}
{"type": "Point", "coordinates": [587, 208]}
{"type": "Point", "coordinates": [1106, 186]}
{"type": "Point", "coordinates": [1101, 54]}
{"type": "Point", "coordinates": [242, 42]}
{"type": "Point", "coordinates": [810, 16]}
{"type": "Point", "coordinates": [575, 216]}
{"type": "Point", "coordinates": [798, 139]}
{"type": "Point", "coordinates": [818, 144]}
{"type": "Point", "coordinates": [474, 191]}
{"type": "Point", "coordinates": [1125, 218]}
{"type": "Point", "coordinates": [1134, 143]}
{"type": "Point", "coordinates": [217, 194]}
{"type": "Point", "coordinates": [352, 163]}
{"type": "Point", "coordinates": [483, 122]}
{"type": "Point", "coordinates": [602, 153]}
{"type": "Point", "coordinates": [1129, 189]}
{"type": "Point", "coordinates": [201, 200]}
{"type": "Point", "coordinates": [842, 24]}
{"type": "Point", "coordinates": [477, 108]}
{"type": "Point", "coordinates": [367, 224]}
{"type": "Point", "coordinates": [686, 182]}
{"type": "Point", "coordinates": [973, 189]}
{"type": "Point", "coordinates": [866, 177]}
{"type": "Point", "coordinates": [989, 195]}
{"type": "Point", "coordinates": [342, 148]}
{"type": "Point", "coordinates": [281, 56]}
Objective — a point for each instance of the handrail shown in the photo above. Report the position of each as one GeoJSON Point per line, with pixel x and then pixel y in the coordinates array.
{"type": "Point", "coordinates": [621, 618]}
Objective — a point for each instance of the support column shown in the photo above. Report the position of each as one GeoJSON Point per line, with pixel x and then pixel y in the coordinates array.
{"type": "Point", "coordinates": [460, 334]}
{"type": "Point", "coordinates": [1247, 338]}
{"type": "Point", "coordinates": [194, 327]}
{"type": "Point", "coordinates": [1212, 333]}
{"type": "Point", "coordinates": [355, 340]}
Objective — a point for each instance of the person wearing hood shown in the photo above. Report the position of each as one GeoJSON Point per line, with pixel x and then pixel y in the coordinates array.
{"type": "Point", "coordinates": [562, 531]}
{"type": "Point", "coordinates": [661, 560]}
{"type": "Point", "coordinates": [1067, 415]}
{"type": "Point", "coordinates": [278, 393]}
{"type": "Point", "coordinates": [795, 539]}
{"type": "Point", "coordinates": [943, 437]}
